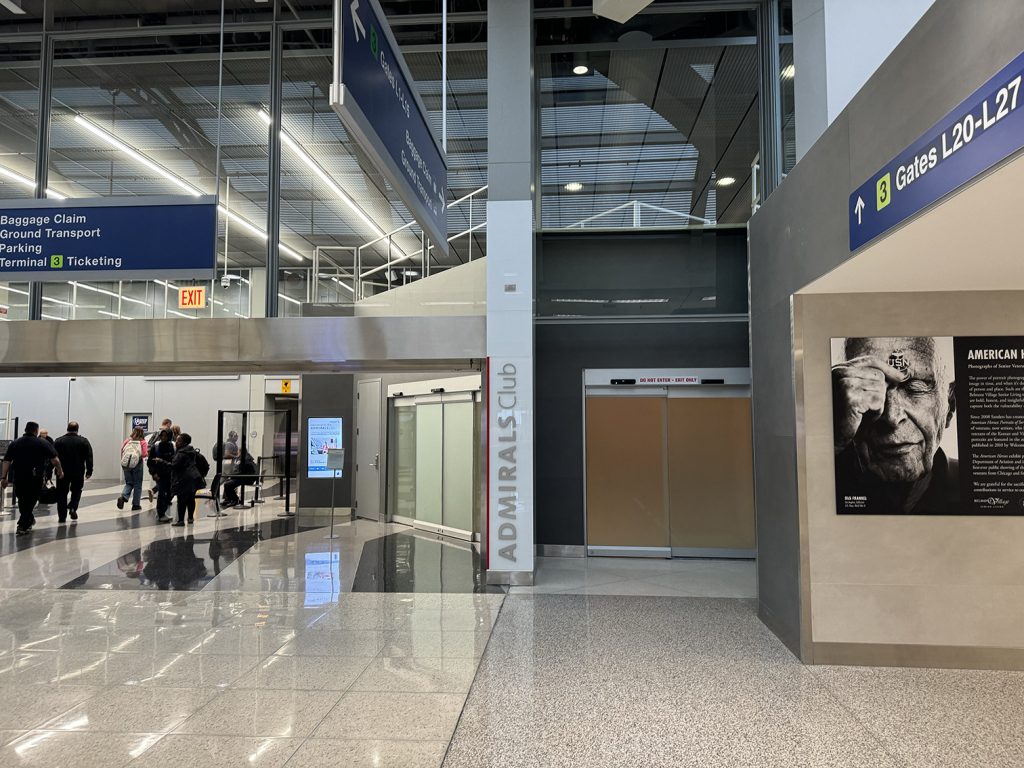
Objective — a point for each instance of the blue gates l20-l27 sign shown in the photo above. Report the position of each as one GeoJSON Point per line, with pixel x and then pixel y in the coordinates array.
{"type": "Point", "coordinates": [985, 129]}
{"type": "Point", "coordinates": [108, 239]}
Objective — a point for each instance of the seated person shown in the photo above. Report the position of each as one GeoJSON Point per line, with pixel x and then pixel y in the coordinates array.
{"type": "Point", "coordinates": [244, 473]}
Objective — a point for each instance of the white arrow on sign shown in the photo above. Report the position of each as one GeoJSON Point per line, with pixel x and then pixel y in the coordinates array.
{"type": "Point", "coordinates": [859, 207]}
{"type": "Point", "coordinates": [359, 28]}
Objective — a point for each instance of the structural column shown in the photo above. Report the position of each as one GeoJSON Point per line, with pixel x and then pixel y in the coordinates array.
{"type": "Point", "coordinates": [510, 246]}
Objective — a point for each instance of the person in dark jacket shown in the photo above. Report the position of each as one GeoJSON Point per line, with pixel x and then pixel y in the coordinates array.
{"type": "Point", "coordinates": [185, 478]}
{"type": "Point", "coordinates": [161, 455]}
{"type": "Point", "coordinates": [44, 434]}
{"type": "Point", "coordinates": [24, 463]}
{"type": "Point", "coordinates": [75, 453]}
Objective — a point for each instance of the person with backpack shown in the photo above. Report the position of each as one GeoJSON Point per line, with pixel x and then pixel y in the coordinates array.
{"type": "Point", "coordinates": [160, 455]}
{"type": "Point", "coordinates": [188, 475]}
{"type": "Point", "coordinates": [134, 451]}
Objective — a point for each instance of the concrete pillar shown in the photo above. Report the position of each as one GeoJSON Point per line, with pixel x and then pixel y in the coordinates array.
{"type": "Point", "coordinates": [837, 46]}
{"type": "Point", "coordinates": [510, 246]}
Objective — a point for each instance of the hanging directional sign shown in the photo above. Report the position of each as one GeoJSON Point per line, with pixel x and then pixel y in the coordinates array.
{"type": "Point", "coordinates": [985, 129]}
{"type": "Point", "coordinates": [108, 238]}
{"type": "Point", "coordinates": [376, 98]}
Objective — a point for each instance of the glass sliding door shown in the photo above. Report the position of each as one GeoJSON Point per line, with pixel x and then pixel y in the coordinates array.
{"type": "Point", "coordinates": [458, 461]}
{"type": "Point", "coordinates": [402, 477]}
{"type": "Point", "coordinates": [435, 462]}
{"type": "Point", "coordinates": [429, 459]}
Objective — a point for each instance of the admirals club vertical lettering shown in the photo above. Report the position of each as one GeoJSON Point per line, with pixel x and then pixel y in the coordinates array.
{"type": "Point", "coordinates": [507, 460]}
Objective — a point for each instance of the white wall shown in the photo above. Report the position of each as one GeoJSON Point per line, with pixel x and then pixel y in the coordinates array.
{"type": "Point", "coordinates": [456, 291]}
{"type": "Point", "coordinates": [99, 404]}
{"type": "Point", "coordinates": [837, 46]}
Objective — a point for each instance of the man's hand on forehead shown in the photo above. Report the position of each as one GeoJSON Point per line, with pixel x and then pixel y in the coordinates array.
{"type": "Point", "coordinates": [890, 373]}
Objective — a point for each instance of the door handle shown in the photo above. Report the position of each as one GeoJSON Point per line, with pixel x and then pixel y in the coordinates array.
{"type": "Point", "coordinates": [376, 462]}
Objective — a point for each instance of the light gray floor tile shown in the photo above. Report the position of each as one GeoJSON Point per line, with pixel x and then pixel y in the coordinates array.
{"type": "Point", "coordinates": [30, 707]}
{"type": "Point", "coordinates": [936, 717]}
{"type": "Point", "coordinates": [133, 710]}
{"type": "Point", "coordinates": [218, 752]}
{"type": "Point", "coordinates": [304, 673]}
{"type": "Point", "coordinates": [333, 753]}
{"type": "Point", "coordinates": [6, 737]}
{"type": "Point", "coordinates": [434, 644]}
{"type": "Point", "coordinates": [267, 713]}
{"type": "Point", "coordinates": [78, 749]}
{"type": "Point", "coordinates": [188, 670]}
{"type": "Point", "coordinates": [336, 642]}
{"type": "Point", "coordinates": [246, 641]}
{"type": "Point", "coordinates": [416, 673]}
{"type": "Point", "coordinates": [384, 716]}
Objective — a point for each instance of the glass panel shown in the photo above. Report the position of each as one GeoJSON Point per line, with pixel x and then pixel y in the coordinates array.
{"type": "Point", "coordinates": [19, 118]}
{"type": "Point", "coordinates": [459, 452]}
{"type": "Point", "coordinates": [429, 443]}
{"type": "Point", "coordinates": [787, 78]}
{"type": "Point", "coordinates": [679, 273]}
{"type": "Point", "coordinates": [658, 129]}
{"type": "Point", "coordinates": [138, 116]}
{"type": "Point", "coordinates": [403, 477]}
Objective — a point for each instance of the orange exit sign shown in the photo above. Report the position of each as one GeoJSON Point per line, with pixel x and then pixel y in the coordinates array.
{"type": "Point", "coordinates": [192, 298]}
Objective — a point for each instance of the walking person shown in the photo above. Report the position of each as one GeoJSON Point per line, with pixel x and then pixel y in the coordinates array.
{"type": "Point", "coordinates": [23, 462]}
{"type": "Point", "coordinates": [75, 454]}
{"type": "Point", "coordinates": [134, 451]}
{"type": "Point", "coordinates": [161, 453]}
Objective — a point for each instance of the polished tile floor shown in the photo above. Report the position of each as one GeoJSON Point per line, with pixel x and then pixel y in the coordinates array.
{"type": "Point", "coordinates": [256, 640]}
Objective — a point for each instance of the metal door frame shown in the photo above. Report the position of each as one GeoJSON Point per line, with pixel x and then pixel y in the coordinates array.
{"type": "Point", "coordinates": [355, 459]}
{"type": "Point", "coordinates": [463, 394]}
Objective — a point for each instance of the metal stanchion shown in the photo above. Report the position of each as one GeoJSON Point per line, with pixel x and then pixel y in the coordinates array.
{"type": "Point", "coordinates": [335, 462]}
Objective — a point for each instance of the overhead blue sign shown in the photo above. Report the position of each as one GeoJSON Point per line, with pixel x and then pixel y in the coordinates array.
{"type": "Point", "coordinates": [108, 238]}
{"type": "Point", "coordinates": [376, 98]}
{"type": "Point", "coordinates": [986, 128]}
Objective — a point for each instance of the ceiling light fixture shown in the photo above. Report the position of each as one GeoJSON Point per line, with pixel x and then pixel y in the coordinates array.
{"type": "Point", "coordinates": [574, 186]}
{"type": "Point", "coordinates": [726, 181]}
{"type": "Point", "coordinates": [194, 191]}
{"type": "Point", "coordinates": [580, 69]}
{"type": "Point", "coordinates": [788, 72]}
{"type": "Point", "coordinates": [25, 181]}
{"type": "Point", "coordinates": [137, 156]}
{"type": "Point", "coordinates": [320, 173]}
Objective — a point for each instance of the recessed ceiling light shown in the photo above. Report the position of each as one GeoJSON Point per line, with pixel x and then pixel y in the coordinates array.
{"type": "Point", "coordinates": [574, 186]}
{"type": "Point", "coordinates": [580, 69]}
{"type": "Point", "coordinates": [788, 72]}
{"type": "Point", "coordinates": [726, 181]}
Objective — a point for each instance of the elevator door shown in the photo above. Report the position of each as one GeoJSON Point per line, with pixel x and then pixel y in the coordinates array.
{"type": "Point", "coordinates": [626, 493]}
{"type": "Point", "coordinates": [710, 476]}
{"type": "Point", "coordinates": [669, 471]}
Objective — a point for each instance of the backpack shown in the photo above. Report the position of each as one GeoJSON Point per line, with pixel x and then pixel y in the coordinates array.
{"type": "Point", "coordinates": [131, 454]}
{"type": "Point", "coordinates": [202, 464]}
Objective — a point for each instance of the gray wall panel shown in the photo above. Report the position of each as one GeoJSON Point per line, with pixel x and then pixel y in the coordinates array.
{"type": "Point", "coordinates": [801, 233]}
{"type": "Point", "coordinates": [326, 395]}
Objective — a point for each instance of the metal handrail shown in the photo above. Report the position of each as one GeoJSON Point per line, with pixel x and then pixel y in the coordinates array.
{"type": "Point", "coordinates": [637, 206]}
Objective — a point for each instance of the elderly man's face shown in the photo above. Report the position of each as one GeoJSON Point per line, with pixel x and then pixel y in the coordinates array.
{"type": "Point", "coordinates": [899, 444]}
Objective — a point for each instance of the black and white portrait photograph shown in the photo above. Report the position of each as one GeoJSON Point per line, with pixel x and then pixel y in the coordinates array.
{"type": "Point", "coordinates": [894, 426]}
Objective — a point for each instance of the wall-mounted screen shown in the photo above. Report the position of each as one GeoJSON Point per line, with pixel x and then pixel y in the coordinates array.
{"type": "Point", "coordinates": [928, 425]}
{"type": "Point", "coordinates": [322, 435]}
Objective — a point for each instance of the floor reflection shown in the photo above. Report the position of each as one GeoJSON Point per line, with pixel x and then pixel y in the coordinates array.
{"type": "Point", "coordinates": [420, 562]}
{"type": "Point", "coordinates": [186, 562]}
